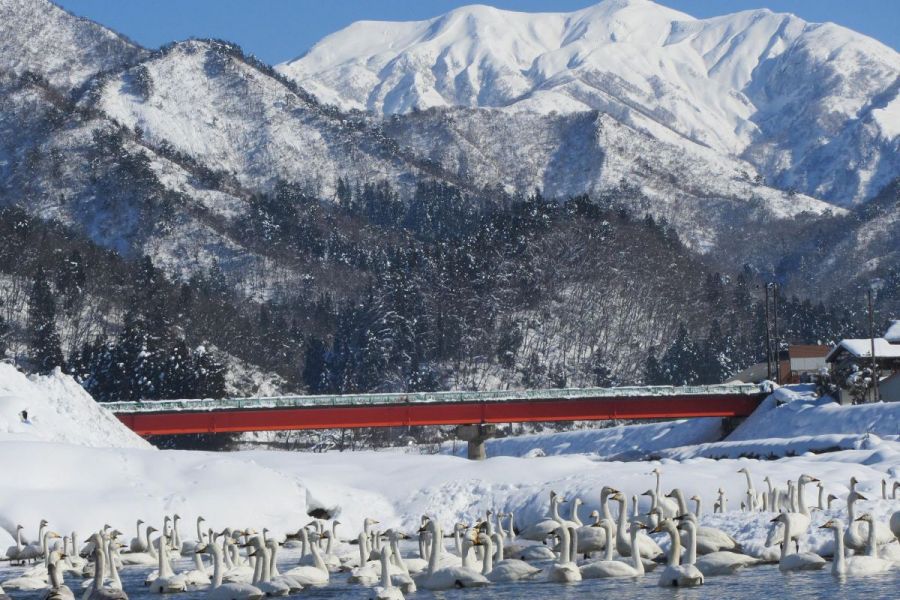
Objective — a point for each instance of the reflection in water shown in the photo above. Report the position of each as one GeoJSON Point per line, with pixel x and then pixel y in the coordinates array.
{"type": "Point", "coordinates": [758, 583]}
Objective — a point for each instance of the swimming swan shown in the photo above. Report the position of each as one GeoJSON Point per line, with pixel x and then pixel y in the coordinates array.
{"type": "Point", "coordinates": [857, 564]}
{"type": "Point", "coordinates": [801, 561]}
{"type": "Point", "coordinates": [676, 574]}
{"type": "Point", "coordinates": [565, 570]}
{"type": "Point", "coordinates": [446, 577]}
{"type": "Point", "coordinates": [226, 591]}
{"type": "Point", "coordinates": [608, 568]}
{"type": "Point", "coordinates": [505, 570]}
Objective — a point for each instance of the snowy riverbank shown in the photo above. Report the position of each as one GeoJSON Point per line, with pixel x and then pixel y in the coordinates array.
{"type": "Point", "coordinates": [83, 469]}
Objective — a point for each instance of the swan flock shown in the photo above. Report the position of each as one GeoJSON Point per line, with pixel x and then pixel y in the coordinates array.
{"type": "Point", "coordinates": [669, 543]}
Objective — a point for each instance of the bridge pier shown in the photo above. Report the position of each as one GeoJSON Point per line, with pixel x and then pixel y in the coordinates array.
{"type": "Point", "coordinates": [475, 436]}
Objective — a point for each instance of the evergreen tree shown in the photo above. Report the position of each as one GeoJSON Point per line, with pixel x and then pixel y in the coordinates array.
{"type": "Point", "coordinates": [46, 351]}
{"type": "Point", "coordinates": [315, 368]}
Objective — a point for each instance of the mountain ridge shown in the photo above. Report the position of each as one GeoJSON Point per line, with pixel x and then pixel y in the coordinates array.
{"type": "Point", "coordinates": [735, 83]}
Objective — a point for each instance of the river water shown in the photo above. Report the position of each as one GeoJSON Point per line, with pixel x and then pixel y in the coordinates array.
{"type": "Point", "coordinates": [757, 583]}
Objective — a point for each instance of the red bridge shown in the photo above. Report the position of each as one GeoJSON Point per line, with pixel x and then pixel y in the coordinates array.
{"type": "Point", "coordinates": [166, 417]}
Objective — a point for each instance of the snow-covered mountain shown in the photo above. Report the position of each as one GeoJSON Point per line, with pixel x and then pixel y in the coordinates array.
{"type": "Point", "coordinates": [814, 107]}
{"type": "Point", "coordinates": [44, 39]}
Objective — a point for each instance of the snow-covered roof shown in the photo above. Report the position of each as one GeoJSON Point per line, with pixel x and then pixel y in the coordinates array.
{"type": "Point", "coordinates": [892, 335]}
{"type": "Point", "coordinates": [862, 348]}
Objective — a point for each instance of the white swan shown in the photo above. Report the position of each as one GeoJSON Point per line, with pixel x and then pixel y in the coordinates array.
{"type": "Point", "coordinates": [226, 591]}
{"type": "Point", "coordinates": [801, 561]}
{"type": "Point", "coordinates": [857, 564]}
{"type": "Point", "coordinates": [58, 590]}
{"type": "Point", "coordinates": [676, 574]}
{"type": "Point", "coordinates": [138, 544]}
{"type": "Point", "coordinates": [751, 492]}
{"type": "Point", "coordinates": [505, 570]}
{"type": "Point", "coordinates": [714, 563]}
{"type": "Point", "coordinates": [97, 590]}
{"type": "Point", "coordinates": [856, 537]}
{"type": "Point", "coordinates": [590, 537]}
{"type": "Point", "coordinates": [608, 568]}
{"type": "Point", "coordinates": [564, 570]}
{"type": "Point", "coordinates": [647, 548]}
{"type": "Point", "coordinates": [307, 575]}
{"type": "Point", "coordinates": [710, 539]}
{"type": "Point", "coordinates": [35, 578]}
{"type": "Point", "coordinates": [262, 576]}
{"type": "Point", "coordinates": [799, 520]}
{"type": "Point", "coordinates": [13, 552]}
{"type": "Point", "coordinates": [540, 531]}
{"type": "Point", "coordinates": [166, 581]}
{"type": "Point", "coordinates": [147, 557]}
{"type": "Point", "coordinates": [446, 577]}
{"type": "Point", "coordinates": [386, 591]}
{"type": "Point", "coordinates": [668, 507]}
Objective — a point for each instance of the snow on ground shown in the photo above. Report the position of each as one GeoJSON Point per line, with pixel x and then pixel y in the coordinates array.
{"type": "Point", "coordinates": [62, 467]}
{"type": "Point", "coordinates": [59, 410]}
{"type": "Point", "coordinates": [628, 442]}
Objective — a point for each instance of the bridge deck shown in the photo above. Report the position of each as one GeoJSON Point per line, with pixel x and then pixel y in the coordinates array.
{"type": "Point", "coordinates": [167, 417]}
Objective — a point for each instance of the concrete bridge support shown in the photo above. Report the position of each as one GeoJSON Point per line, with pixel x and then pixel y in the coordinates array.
{"type": "Point", "coordinates": [476, 435]}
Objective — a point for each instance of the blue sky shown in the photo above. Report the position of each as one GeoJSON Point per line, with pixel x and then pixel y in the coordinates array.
{"type": "Point", "coordinates": [278, 30]}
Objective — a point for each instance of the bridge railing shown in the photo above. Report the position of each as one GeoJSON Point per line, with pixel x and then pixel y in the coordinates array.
{"type": "Point", "coordinates": [209, 404]}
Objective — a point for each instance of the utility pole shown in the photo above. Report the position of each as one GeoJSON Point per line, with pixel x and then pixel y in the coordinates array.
{"type": "Point", "coordinates": [768, 339]}
{"type": "Point", "coordinates": [775, 333]}
{"type": "Point", "coordinates": [872, 342]}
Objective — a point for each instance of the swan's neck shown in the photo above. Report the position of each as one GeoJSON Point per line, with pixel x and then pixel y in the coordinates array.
{"type": "Point", "coordinates": [396, 557]}
{"type": "Point", "coordinates": [163, 556]}
{"type": "Point", "coordinates": [257, 567]}
{"type": "Point", "coordinates": [487, 561]}
{"type": "Point", "coordinates": [98, 566]}
{"type": "Point", "coordinates": [698, 508]}
{"type": "Point", "coordinates": [554, 511]}
{"type": "Point", "coordinates": [499, 554]}
{"type": "Point", "coordinates": [436, 543]}
{"type": "Point", "coordinates": [457, 540]}
{"type": "Point", "coordinates": [851, 509]}
{"type": "Point", "coordinates": [317, 558]}
{"type": "Point", "coordinates": [691, 554]}
{"type": "Point", "coordinates": [138, 535]}
{"type": "Point", "coordinates": [872, 549]}
{"type": "Point", "coordinates": [265, 559]}
{"type": "Point", "coordinates": [45, 545]}
{"type": "Point", "coordinates": [304, 542]}
{"type": "Point", "coordinates": [273, 559]}
{"type": "Point", "coordinates": [682, 504]}
{"type": "Point", "coordinates": [821, 498]}
{"type": "Point", "coordinates": [363, 555]}
{"type": "Point", "coordinates": [226, 552]}
{"type": "Point", "coordinates": [217, 564]}
{"type": "Point", "coordinates": [53, 575]}
{"type": "Point", "coordinates": [564, 542]}
{"type": "Point", "coordinates": [635, 552]}
{"type": "Point", "coordinates": [113, 571]}
{"type": "Point", "coordinates": [512, 522]}
{"type": "Point", "coordinates": [608, 550]}
{"type": "Point", "coordinates": [198, 563]}
{"type": "Point", "coordinates": [675, 550]}
{"type": "Point", "coordinates": [604, 506]}
{"type": "Point", "coordinates": [385, 570]}
{"type": "Point", "coordinates": [150, 549]}
{"type": "Point", "coordinates": [654, 499]}
{"type": "Point", "coordinates": [329, 547]}
{"type": "Point", "coordinates": [839, 566]}
{"type": "Point", "coordinates": [786, 542]}
{"type": "Point", "coordinates": [801, 501]}
{"type": "Point", "coordinates": [575, 518]}
{"type": "Point", "coordinates": [19, 538]}
{"type": "Point", "coordinates": [573, 545]}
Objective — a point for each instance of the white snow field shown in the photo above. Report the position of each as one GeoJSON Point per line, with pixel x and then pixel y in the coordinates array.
{"type": "Point", "coordinates": [78, 467]}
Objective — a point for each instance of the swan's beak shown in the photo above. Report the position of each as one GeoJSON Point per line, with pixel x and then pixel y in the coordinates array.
{"type": "Point", "coordinates": [860, 497]}
{"type": "Point", "coordinates": [775, 520]}
{"type": "Point", "coordinates": [656, 529]}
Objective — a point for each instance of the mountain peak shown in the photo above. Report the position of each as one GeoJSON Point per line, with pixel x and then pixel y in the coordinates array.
{"type": "Point", "coordinates": [737, 84]}
{"type": "Point", "coordinates": [40, 37]}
